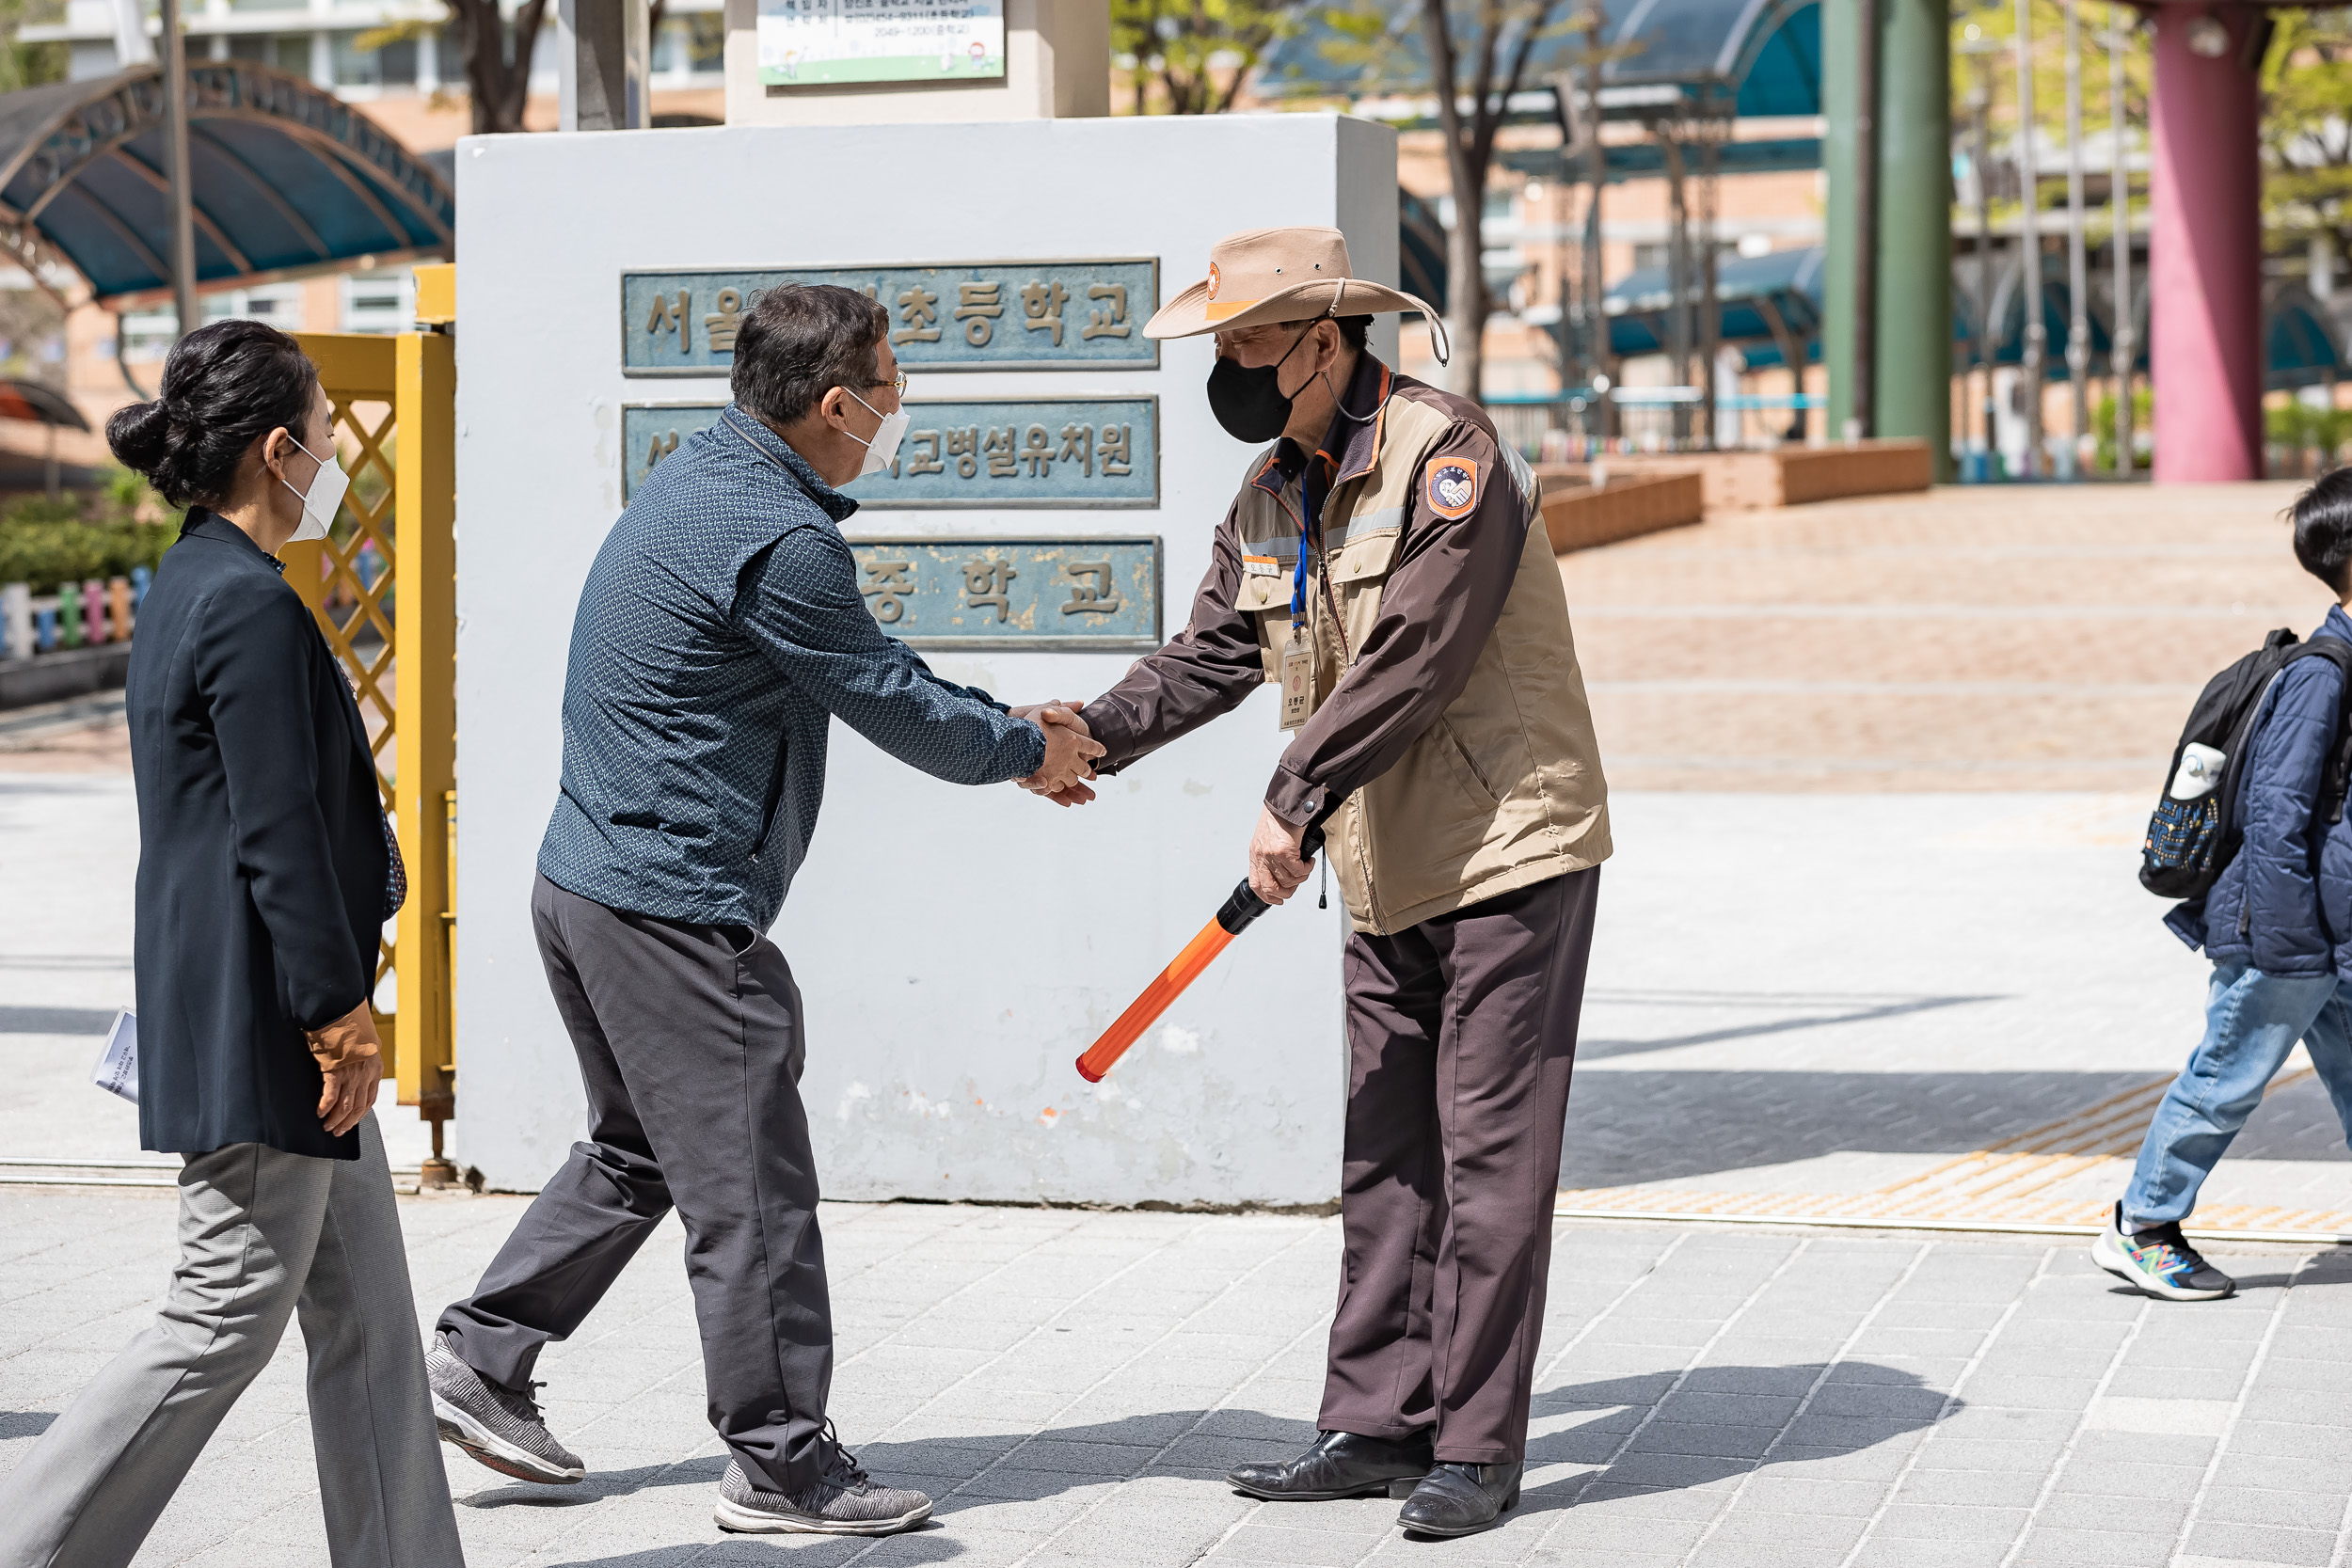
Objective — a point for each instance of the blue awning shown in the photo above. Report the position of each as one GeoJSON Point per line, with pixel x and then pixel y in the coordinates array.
{"type": "Point", "coordinates": [1765, 302]}
{"type": "Point", "coordinates": [1647, 160]}
{"type": "Point", "coordinates": [287, 180]}
{"type": "Point", "coordinates": [2301, 344]}
{"type": "Point", "coordinates": [1738, 57]}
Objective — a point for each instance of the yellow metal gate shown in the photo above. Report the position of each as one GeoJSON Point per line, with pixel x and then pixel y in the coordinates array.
{"type": "Point", "coordinates": [383, 587]}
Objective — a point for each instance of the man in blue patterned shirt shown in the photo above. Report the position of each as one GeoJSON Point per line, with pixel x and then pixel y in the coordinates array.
{"type": "Point", "coordinates": [720, 632]}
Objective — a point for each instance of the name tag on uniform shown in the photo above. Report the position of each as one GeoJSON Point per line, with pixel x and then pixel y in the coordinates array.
{"type": "Point", "coordinates": [1262, 566]}
{"type": "Point", "coordinates": [1298, 679]}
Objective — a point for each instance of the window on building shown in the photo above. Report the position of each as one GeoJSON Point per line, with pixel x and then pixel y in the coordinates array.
{"type": "Point", "coordinates": [287, 53]}
{"type": "Point", "coordinates": [706, 41]}
{"type": "Point", "coordinates": [451, 54]}
{"type": "Point", "coordinates": [396, 63]}
{"type": "Point", "coordinates": [278, 303]}
{"type": "Point", "coordinates": [380, 301]}
{"type": "Point", "coordinates": [149, 334]}
{"type": "Point", "coordinates": [269, 5]}
{"type": "Point", "coordinates": [355, 67]}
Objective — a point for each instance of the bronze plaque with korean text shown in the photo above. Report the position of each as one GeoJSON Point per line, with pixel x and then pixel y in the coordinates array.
{"type": "Point", "coordinates": [1008, 451]}
{"type": "Point", "coordinates": [1085, 594]}
{"type": "Point", "coordinates": [946, 316]}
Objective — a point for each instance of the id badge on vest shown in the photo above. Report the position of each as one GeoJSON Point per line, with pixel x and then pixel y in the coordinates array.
{"type": "Point", "coordinates": [1299, 679]}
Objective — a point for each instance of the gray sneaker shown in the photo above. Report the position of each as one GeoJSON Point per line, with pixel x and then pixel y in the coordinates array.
{"type": "Point", "coordinates": [497, 1425]}
{"type": "Point", "coordinates": [846, 1502]}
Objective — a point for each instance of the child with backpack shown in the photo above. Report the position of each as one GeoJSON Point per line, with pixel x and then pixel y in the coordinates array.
{"type": "Point", "coordinates": [2252, 828]}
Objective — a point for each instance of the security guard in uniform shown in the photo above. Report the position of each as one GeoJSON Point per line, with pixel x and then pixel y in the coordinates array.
{"type": "Point", "coordinates": [1384, 564]}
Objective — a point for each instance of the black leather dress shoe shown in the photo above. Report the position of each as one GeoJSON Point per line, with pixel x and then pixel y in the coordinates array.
{"type": "Point", "coordinates": [1461, 1500]}
{"type": "Point", "coordinates": [1341, 1465]}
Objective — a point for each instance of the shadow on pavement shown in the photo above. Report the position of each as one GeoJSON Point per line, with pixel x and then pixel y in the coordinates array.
{"type": "Point", "coordinates": [1632, 1126]}
{"type": "Point", "coordinates": [1721, 1422]}
{"type": "Point", "coordinates": [1816, 1012]}
{"type": "Point", "coordinates": [24, 1423]}
{"type": "Point", "coordinates": [1639, 1432]}
{"type": "Point", "coordinates": [56, 1021]}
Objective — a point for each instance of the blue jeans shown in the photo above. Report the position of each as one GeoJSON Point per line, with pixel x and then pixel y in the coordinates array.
{"type": "Point", "coordinates": [2252, 1020]}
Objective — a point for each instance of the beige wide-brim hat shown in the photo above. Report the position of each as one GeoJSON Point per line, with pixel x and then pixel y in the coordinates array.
{"type": "Point", "coordinates": [1263, 276]}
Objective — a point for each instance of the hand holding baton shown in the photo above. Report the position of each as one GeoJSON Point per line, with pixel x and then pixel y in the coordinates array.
{"type": "Point", "coordinates": [1232, 918]}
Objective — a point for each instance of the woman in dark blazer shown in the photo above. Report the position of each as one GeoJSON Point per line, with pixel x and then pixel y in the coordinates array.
{"type": "Point", "coordinates": [265, 872]}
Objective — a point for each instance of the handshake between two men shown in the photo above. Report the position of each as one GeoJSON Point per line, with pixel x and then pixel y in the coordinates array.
{"type": "Point", "coordinates": [1279, 863]}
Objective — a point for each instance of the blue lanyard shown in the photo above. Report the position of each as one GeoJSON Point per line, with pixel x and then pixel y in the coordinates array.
{"type": "Point", "coordinates": [1310, 528]}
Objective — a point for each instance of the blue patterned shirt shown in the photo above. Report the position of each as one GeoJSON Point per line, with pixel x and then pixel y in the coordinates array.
{"type": "Point", "coordinates": [720, 630]}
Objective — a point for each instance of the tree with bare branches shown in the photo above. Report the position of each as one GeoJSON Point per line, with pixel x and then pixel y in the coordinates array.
{"type": "Point", "coordinates": [1201, 50]}
{"type": "Point", "coordinates": [1479, 53]}
{"type": "Point", "coordinates": [497, 77]}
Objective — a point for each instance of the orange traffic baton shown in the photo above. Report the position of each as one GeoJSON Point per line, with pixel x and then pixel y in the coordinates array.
{"type": "Point", "coordinates": [1232, 918]}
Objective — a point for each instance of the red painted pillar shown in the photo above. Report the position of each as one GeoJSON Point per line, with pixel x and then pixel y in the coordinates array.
{"type": "Point", "coordinates": [2204, 254]}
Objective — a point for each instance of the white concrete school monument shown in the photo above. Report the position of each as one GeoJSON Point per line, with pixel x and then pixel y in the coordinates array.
{"type": "Point", "coordinates": [1050, 516]}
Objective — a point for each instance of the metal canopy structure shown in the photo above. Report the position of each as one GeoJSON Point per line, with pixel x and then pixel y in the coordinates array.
{"type": "Point", "coordinates": [1769, 307]}
{"type": "Point", "coordinates": [286, 178]}
{"type": "Point", "coordinates": [1772, 308]}
{"type": "Point", "coordinates": [1747, 57]}
{"type": "Point", "coordinates": [1647, 160]}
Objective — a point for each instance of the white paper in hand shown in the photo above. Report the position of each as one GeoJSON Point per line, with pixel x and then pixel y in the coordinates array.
{"type": "Point", "coordinates": [118, 1068]}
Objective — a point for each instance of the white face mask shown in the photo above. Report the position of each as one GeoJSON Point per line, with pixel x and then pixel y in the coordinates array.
{"type": "Point", "coordinates": [319, 502]}
{"type": "Point", "coordinates": [883, 450]}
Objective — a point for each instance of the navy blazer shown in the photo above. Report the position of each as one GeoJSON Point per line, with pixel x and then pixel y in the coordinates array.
{"type": "Point", "coordinates": [261, 857]}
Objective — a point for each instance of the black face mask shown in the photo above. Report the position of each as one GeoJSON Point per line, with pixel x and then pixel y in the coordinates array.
{"type": "Point", "coordinates": [1248, 403]}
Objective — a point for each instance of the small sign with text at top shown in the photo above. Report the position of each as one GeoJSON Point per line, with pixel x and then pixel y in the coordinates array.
{"type": "Point", "coordinates": [1013, 452]}
{"type": "Point", "coordinates": [943, 316]}
{"type": "Point", "coordinates": [826, 42]}
{"type": "Point", "coordinates": [1085, 594]}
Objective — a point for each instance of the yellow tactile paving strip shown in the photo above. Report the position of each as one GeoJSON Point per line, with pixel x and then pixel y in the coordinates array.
{"type": "Point", "coordinates": [2004, 1186]}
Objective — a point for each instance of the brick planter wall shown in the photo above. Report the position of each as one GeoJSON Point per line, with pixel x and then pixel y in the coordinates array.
{"type": "Point", "coordinates": [1579, 515]}
{"type": "Point", "coordinates": [1751, 480]}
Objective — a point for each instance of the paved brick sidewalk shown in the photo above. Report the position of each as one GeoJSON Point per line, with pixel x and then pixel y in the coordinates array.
{"type": "Point", "coordinates": [1072, 1386]}
{"type": "Point", "coordinates": [1975, 638]}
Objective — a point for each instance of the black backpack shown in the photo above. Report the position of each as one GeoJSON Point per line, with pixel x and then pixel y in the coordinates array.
{"type": "Point", "coordinates": [2190, 842]}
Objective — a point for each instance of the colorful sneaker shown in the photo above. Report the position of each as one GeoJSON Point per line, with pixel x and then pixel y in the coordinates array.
{"type": "Point", "coordinates": [2159, 1261]}
{"type": "Point", "coordinates": [846, 1502]}
{"type": "Point", "coordinates": [499, 1426]}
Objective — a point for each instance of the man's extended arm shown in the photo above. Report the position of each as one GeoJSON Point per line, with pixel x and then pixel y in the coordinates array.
{"type": "Point", "coordinates": [799, 601]}
{"type": "Point", "coordinates": [1205, 670]}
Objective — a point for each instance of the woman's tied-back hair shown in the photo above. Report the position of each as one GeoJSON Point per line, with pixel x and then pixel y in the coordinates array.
{"type": "Point", "coordinates": [799, 341]}
{"type": "Point", "coordinates": [225, 387]}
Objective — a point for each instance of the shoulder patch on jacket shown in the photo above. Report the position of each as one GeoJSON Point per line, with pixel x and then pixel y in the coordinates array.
{"type": "Point", "coordinates": [1450, 486]}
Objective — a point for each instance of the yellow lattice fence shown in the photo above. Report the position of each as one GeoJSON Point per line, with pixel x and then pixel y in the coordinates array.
{"type": "Point", "coordinates": [382, 586]}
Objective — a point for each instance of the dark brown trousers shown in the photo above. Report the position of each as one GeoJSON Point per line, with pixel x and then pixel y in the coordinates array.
{"type": "Point", "coordinates": [1461, 1035]}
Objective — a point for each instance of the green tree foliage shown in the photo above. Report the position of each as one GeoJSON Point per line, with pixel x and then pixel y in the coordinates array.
{"type": "Point", "coordinates": [29, 65]}
{"type": "Point", "coordinates": [1473, 55]}
{"type": "Point", "coordinates": [1199, 52]}
{"type": "Point", "coordinates": [2143, 429]}
{"type": "Point", "coordinates": [1984, 62]}
{"type": "Point", "coordinates": [103, 533]}
{"type": "Point", "coordinates": [2307, 143]}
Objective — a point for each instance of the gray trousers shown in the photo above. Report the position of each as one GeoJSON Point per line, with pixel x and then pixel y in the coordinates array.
{"type": "Point", "coordinates": [690, 1047]}
{"type": "Point", "coordinates": [263, 1234]}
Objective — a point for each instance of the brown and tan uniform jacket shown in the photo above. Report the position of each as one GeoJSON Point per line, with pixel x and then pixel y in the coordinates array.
{"type": "Point", "coordinates": [1450, 746]}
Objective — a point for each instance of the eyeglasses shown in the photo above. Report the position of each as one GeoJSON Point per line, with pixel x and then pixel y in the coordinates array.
{"type": "Point", "coordinates": [896, 383]}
